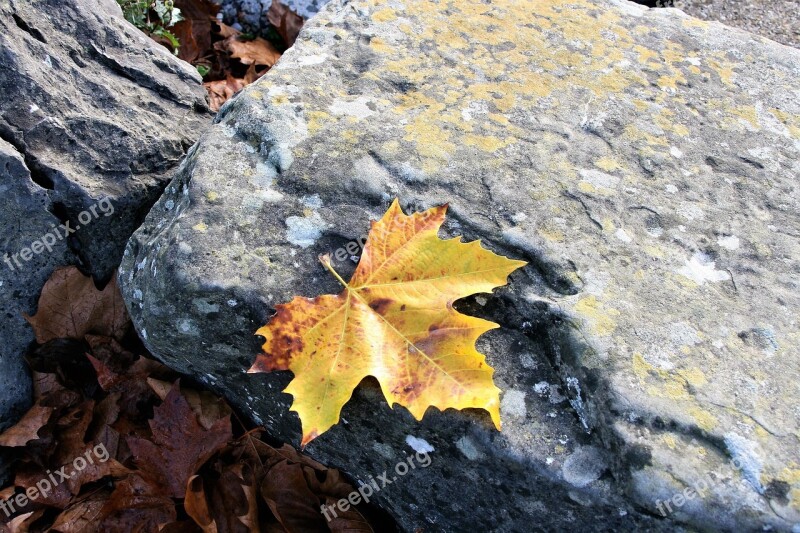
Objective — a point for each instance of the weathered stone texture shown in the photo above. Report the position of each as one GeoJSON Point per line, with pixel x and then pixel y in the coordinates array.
{"type": "Point", "coordinates": [644, 162]}
{"type": "Point", "coordinates": [91, 109]}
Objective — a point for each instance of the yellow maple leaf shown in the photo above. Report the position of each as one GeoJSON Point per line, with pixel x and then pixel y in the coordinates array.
{"type": "Point", "coordinates": [394, 321]}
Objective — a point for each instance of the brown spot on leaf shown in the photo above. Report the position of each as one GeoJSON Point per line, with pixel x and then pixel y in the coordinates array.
{"type": "Point", "coordinates": [380, 305]}
{"type": "Point", "coordinates": [292, 343]}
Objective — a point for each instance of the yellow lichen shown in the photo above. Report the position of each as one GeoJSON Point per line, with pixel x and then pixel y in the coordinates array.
{"type": "Point", "coordinates": [607, 163]}
{"type": "Point", "coordinates": [600, 318]}
{"type": "Point", "coordinates": [486, 143]}
{"type": "Point", "coordinates": [380, 46]}
{"type": "Point", "coordinates": [641, 368]}
{"type": "Point", "coordinates": [694, 376]}
{"type": "Point", "coordinates": [724, 71]}
{"type": "Point", "coordinates": [551, 234]}
{"type": "Point", "coordinates": [747, 113]}
{"type": "Point", "coordinates": [351, 136]}
{"type": "Point", "coordinates": [391, 147]}
{"type": "Point", "coordinates": [384, 15]}
{"type": "Point", "coordinates": [431, 140]}
{"type": "Point", "coordinates": [703, 418]}
{"type": "Point", "coordinates": [792, 122]}
{"type": "Point", "coordinates": [671, 81]}
{"type": "Point", "coordinates": [653, 251]}
{"type": "Point", "coordinates": [316, 120]}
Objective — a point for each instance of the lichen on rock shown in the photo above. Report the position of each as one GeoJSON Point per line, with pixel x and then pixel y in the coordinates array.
{"type": "Point", "coordinates": [644, 163]}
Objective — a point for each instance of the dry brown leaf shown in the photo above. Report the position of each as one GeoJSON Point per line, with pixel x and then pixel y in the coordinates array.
{"type": "Point", "coordinates": [95, 470]}
{"type": "Point", "coordinates": [44, 383]}
{"type": "Point", "coordinates": [207, 406]}
{"type": "Point", "coordinates": [70, 307]}
{"type": "Point", "coordinates": [194, 31]}
{"type": "Point", "coordinates": [225, 502]}
{"type": "Point", "coordinates": [118, 364]}
{"type": "Point", "coordinates": [29, 474]}
{"type": "Point", "coordinates": [82, 516]}
{"type": "Point", "coordinates": [184, 526]}
{"type": "Point", "coordinates": [286, 22]}
{"type": "Point", "coordinates": [160, 449]}
{"type": "Point", "coordinates": [71, 427]}
{"type": "Point", "coordinates": [252, 75]}
{"type": "Point", "coordinates": [196, 505]}
{"type": "Point", "coordinates": [334, 487]}
{"type": "Point", "coordinates": [180, 445]}
{"type": "Point", "coordinates": [291, 501]}
{"type": "Point", "coordinates": [257, 51]}
{"type": "Point", "coordinates": [289, 453]}
{"type": "Point", "coordinates": [23, 522]}
{"type": "Point", "coordinates": [136, 505]}
{"type": "Point", "coordinates": [246, 480]}
{"type": "Point", "coordinates": [27, 429]}
{"type": "Point", "coordinates": [220, 91]}
{"type": "Point", "coordinates": [227, 31]}
{"type": "Point", "coordinates": [236, 499]}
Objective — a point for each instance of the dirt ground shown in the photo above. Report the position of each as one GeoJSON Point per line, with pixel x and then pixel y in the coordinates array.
{"type": "Point", "coordinates": [778, 20]}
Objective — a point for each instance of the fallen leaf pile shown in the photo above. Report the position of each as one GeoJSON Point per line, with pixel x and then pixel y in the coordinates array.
{"type": "Point", "coordinates": [155, 453]}
{"type": "Point", "coordinates": [395, 321]}
{"type": "Point", "coordinates": [228, 59]}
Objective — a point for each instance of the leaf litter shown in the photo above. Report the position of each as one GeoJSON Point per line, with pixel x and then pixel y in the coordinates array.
{"type": "Point", "coordinates": [228, 59]}
{"type": "Point", "coordinates": [178, 459]}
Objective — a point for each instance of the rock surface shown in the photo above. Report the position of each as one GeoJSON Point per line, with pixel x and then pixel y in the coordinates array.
{"type": "Point", "coordinates": [21, 200]}
{"type": "Point", "coordinates": [645, 163]}
{"type": "Point", "coordinates": [777, 19]}
{"type": "Point", "coordinates": [98, 110]}
{"type": "Point", "coordinates": [93, 118]}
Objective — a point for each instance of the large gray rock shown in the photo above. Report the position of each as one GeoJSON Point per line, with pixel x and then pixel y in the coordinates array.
{"type": "Point", "coordinates": [93, 118]}
{"type": "Point", "coordinates": [24, 208]}
{"type": "Point", "coordinates": [98, 110]}
{"type": "Point", "coordinates": [644, 162]}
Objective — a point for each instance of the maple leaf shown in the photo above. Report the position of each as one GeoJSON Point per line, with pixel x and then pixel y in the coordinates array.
{"type": "Point", "coordinates": [180, 445]}
{"type": "Point", "coordinates": [208, 407]}
{"type": "Point", "coordinates": [27, 429]}
{"type": "Point", "coordinates": [221, 91]}
{"type": "Point", "coordinates": [70, 307]}
{"type": "Point", "coordinates": [287, 23]}
{"type": "Point", "coordinates": [231, 503]}
{"type": "Point", "coordinates": [257, 51]}
{"type": "Point", "coordinates": [92, 390]}
{"type": "Point", "coordinates": [395, 321]}
{"type": "Point", "coordinates": [294, 493]}
{"type": "Point", "coordinates": [194, 30]}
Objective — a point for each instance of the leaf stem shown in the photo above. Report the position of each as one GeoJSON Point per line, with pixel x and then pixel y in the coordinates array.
{"type": "Point", "coordinates": [326, 262]}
